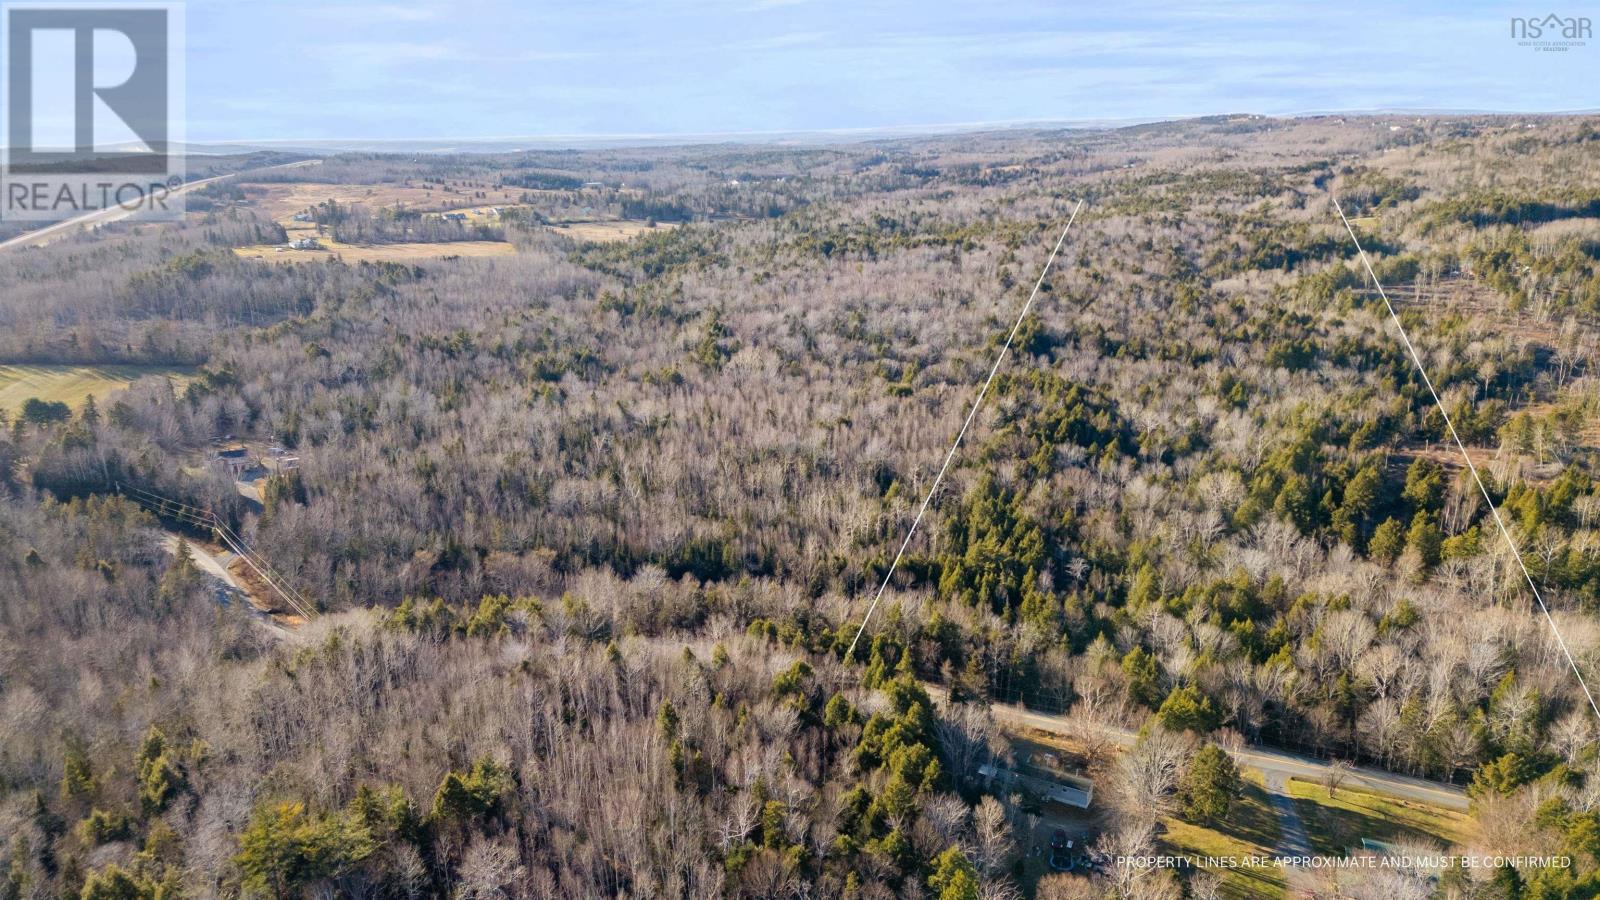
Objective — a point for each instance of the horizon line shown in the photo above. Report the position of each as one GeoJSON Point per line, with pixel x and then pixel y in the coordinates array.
{"type": "Point", "coordinates": [907, 130]}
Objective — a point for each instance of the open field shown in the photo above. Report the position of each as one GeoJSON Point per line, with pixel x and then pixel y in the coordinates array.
{"type": "Point", "coordinates": [1338, 823]}
{"type": "Point", "coordinates": [620, 230]}
{"type": "Point", "coordinates": [1251, 828]}
{"type": "Point", "coordinates": [282, 201]}
{"type": "Point", "coordinates": [71, 384]}
{"type": "Point", "coordinates": [377, 252]}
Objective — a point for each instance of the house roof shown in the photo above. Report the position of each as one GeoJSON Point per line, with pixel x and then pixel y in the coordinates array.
{"type": "Point", "coordinates": [1069, 790]}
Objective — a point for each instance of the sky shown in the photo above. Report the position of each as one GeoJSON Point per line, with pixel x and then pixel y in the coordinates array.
{"type": "Point", "coordinates": [375, 69]}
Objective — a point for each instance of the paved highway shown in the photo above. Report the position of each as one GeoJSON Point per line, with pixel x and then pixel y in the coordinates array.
{"type": "Point", "coordinates": [41, 236]}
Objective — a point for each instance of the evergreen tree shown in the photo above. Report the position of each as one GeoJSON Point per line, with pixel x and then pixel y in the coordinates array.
{"type": "Point", "coordinates": [954, 877]}
{"type": "Point", "coordinates": [284, 849]}
{"type": "Point", "coordinates": [1388, 542]}
{"type": "Point", "coordinates": [1187, 709]}
{"type": "Point", "coordinates": [1209, 785]}
{"type": "Point", "coordinates": [1426, 538]}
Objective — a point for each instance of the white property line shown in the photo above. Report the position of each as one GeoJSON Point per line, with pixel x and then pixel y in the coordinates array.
{"type": "Point", "coordinates": [963, 433]}
{"type": "Point", "coordinates": [1504, 533]}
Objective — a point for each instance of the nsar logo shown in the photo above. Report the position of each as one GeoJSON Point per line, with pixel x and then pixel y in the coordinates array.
{"type": "Point", "coordinates": [1552, 32]}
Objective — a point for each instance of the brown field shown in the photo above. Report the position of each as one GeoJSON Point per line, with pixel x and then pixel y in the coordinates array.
{"type": "Point", "coordinates": [603, 232]}
{"type": "Point", "coordinates": [282, 201]}
{"type": "Point", "coordinates": [352, 253]}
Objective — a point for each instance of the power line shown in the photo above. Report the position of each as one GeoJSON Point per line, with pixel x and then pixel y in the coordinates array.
{"type": "Point", "coordinates": [283, 589]}
{"type": "Point", "coordinates": [999, 358]}
{"type": "Point", "coordinates": [191, 515]}
{"type": "Point", "coordinates": [1493, 510]}
{"type": "Point", "coordinates": [258, 562]}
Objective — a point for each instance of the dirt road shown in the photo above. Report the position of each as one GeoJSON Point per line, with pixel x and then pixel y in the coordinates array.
{"type": "Point", "coordinates": [228, 588]}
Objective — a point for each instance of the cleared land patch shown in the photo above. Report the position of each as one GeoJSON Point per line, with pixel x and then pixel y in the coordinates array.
{"type": "Point", "coordinates": [282, 202]}
{"type": "Point", "coordinates": [377, 252]}
{"type": "Point", "coordinates": [602, 232]}
{"type": "Point", "coordinates": [71, 384]}
{"type": "Point", "coordinates": [1251, 829]}
{"type": "Point", "coordinates": [1338, 823]}
{"type": "Point", "coordinates": [1463, 305]}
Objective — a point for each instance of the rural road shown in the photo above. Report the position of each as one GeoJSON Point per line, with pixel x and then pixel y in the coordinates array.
{"type": "Point", "coordinates": [215, 566]}
{"type": "Point", "coordinates": [1274, 764]}
{"type": "Point", "coordinates": [203, 559]}
{"type": "Point", "coordinates": [41, 236]}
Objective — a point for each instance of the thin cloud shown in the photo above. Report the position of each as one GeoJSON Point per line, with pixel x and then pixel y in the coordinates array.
{"type": "Point", "coordinates": [370, 15]}
{"type": "Point", "coordinates": [778, 42]}
{"type": "Point", "coordinates": [719, 66]}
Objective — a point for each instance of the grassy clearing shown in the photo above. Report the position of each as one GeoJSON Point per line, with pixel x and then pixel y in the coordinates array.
{"type": "Point", "coordinates": [283, 201]}
{"type": "Point", "coordinates": [1339, 823]}
{"type": "Point", "coordinates": [352, 253]}
{"type": "Point", "coordinates": [603, 232]}
{"type": "Point", "coordinates": [71, 384]}
{"type": "Point", "coordinates": [1251, 830]}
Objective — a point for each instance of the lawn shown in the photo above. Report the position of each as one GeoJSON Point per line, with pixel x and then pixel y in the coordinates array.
{"type": "Point", "coordinates": [1251, 830]}
{"type": "Point", "coordinates": [1337, 824]}
{"type": "Point", "coordinates": [71, 384]}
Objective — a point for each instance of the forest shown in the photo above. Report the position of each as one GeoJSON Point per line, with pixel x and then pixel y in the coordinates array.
{"type": "Point", "coordinates": [589, 528]}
